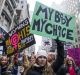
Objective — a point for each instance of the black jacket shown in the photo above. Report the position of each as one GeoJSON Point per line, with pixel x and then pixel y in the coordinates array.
{"type": "Point", "coordinates": [35, 71]}
{"type": "Point", "coordinates": [55, 65]}
{"type": "Point", "coordinates": [4, 70]}
{"type": "Point", "coordinates": [64, 70]}
{"type": "Point", "coordinates": [60, 57]}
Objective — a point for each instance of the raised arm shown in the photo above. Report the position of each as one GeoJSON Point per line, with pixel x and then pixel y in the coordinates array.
{"type": "Point", "coordinates": [60, 56]}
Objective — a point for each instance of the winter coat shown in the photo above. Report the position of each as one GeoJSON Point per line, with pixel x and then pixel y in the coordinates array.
{"type": "Point", "coordinates": [4, 70]}
{"type": "Point", "coordinates": [59, 58]}
{"type": "Point", "coordinates": [15, 69]}
{"type": "Point", "coordinates": [55, 65]}
{"type": "Point", "coordinates": [64, 70]}
{"type": "Point", "coordinates": [37, 70]}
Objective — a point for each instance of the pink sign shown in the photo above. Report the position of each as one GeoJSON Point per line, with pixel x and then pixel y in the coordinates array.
{"type": "Point", "coordinates": [75, 54]}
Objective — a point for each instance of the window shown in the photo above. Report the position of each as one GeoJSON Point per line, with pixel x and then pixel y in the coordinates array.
{"type": "Point", "coordinates": [77, 26]}
{"type": "Point", "coordinates": [78, 38]}
{"type": "Point", "coordinates": [79, 45]}
{"type": "Point", "coordinates": [78, 32]}
{"type": "Point", "coordinates": [21, 2]}
{"type": "Point", "coordinates": [22, 6]}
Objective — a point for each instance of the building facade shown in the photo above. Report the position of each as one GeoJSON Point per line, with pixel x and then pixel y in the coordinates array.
{"type": "Point", "coordinates": [12, 12]}
{"type": "Point", "coordinates": [7, 12]}
{"type": "Point", "coordinates": [24, 13]}
{"type": "Point", "coordinates": [24, 7]}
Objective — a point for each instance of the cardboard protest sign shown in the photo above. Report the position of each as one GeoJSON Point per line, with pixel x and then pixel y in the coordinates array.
{"type": "Point", "coordinates": [51, 23]}
{"type": "Point", "coordinates": [19, 38]}
{"type": "Point", "coordinates": [75, 54]}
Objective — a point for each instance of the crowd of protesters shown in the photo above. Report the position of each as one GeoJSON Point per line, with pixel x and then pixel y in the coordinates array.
{"type": "Point", "coordinates": [43, 63]}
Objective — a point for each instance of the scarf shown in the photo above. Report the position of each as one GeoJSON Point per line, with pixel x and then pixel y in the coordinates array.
{"type": "Point", "coordinates": [71, 70]}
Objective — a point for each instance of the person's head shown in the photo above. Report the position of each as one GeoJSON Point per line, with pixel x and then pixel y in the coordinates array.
{"type": "Point", "coordinates": [69, 61]}
{"type": "Point", "coordinates": [4, 60]}
{"type": "Point", "coordinates": [51, 56]}
{"type": "Point", "coordinates": [33, 59]}
{"type": "Point", "coordinates": [41, 58]}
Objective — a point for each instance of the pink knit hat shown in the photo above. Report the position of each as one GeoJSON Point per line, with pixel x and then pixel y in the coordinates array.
{"type": "Point", "coordinates": [41, 53]}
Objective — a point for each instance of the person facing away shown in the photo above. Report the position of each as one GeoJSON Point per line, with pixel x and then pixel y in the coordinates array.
{"type": "Point", "coordinates": [41, 66]}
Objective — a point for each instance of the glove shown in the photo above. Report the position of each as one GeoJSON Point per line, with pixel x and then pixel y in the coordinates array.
{"type": "Point", "coordinates": [58, 41]}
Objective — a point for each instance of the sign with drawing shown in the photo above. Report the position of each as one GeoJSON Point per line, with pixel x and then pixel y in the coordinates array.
{"type": "Point", "coordinates": [19, 38]}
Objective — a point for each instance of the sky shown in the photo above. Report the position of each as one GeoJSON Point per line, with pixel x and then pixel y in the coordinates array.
{"type": "Point", "coordinates": [46, 2]}
{"type": "Point", "coordinates": [31, 8]}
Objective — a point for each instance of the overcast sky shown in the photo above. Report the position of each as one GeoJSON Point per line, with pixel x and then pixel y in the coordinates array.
{"type": "Point", "coordinates": [46, 2]}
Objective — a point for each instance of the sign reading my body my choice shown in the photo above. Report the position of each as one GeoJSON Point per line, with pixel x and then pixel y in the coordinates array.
{"type": "Point", "coordinates": [52, 23]}
{"type": "Point", "coordinates": [19, 38]}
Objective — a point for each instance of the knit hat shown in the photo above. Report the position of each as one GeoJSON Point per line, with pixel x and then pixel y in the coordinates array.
{"type": "Point", "coordinates": [41, 53]}
{"type": "Point", "coordinates": [69, 57]}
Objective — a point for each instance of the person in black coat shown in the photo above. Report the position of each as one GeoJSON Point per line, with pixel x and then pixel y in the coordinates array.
{"type": "Point", "coordinates": [69, 67]}
{"type": "Point", "coordinates": [41, 66]}
{"type": "Point", "coordinates": [4, 69]}
{"type": "Point", "coordinates": [60, 56]}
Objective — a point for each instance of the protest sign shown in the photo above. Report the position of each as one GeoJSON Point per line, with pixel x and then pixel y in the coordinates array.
{"type": "Point", "coordinates": [19, 38]}
{"type": "Point", "coordinates": [51, 23]}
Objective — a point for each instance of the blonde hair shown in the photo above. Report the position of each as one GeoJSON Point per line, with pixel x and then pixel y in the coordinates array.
{"type": "Point", "coordinates": [48, 70]}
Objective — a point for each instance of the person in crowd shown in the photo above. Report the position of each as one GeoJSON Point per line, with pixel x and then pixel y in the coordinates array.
{"type": "Point", "coordinates": [72, 68]}
{"type": "Point", "coordinates": [41, 66]}
{"type": "Point", "coordinates": [51, 57]}
{"type": "Point", "coordinates": [25, 60]}
{"type": "Point", "coordinates": [4, 66]}
{"type": "Point", "coordinates": [15, 65]}
{"type": "Point", "coordinates": [69, 67]}
{"type": "Point", "coordinates": [32, 59]}
{"type": "Point", "coordinates": [25, 64]}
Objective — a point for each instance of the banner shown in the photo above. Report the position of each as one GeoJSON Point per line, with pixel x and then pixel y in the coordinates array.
{"type": "Point", "coordinates": [75, 54]}
{"type": "Point", "coordinates": [19, 38]}
{"type": "Point", "coordinates": [51, 23]}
